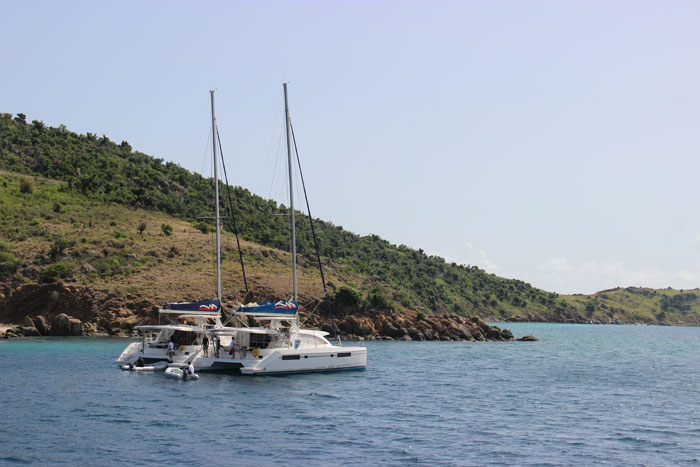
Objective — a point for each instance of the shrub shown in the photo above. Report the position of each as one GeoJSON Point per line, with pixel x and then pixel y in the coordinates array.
{"type": "Point", "coordinates": [347, 296]}
{"type": "Point", "coordinates": [26, 186]}
{"type": "Point", "coordinates": [141, 227]}
{"type": "Point", "coordinates": [119, 234]}
{"type": "Point", "coordinates": [57, 207]}
{"type": "Point", "coordinates": [58, 246]}
{"type": "Point", "coordinates": [55, 271]}
{"type": "Point", "coordinates": [167, 229]}
{"type": "Point", "coordinates": [203, 227]}
{"type": "Point", "coordinates": [378, 299]}
{"type": "Point", "coordinates": [8, 262]}
{"type": "Point", "coordinates": [107, 266]}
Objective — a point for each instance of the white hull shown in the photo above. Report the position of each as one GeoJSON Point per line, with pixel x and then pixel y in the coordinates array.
{"type": "Point", "coordinates": [268, 361]}
{"type": "Point", "coordinates": [177, 373]}
{"type": "Point", "coordinates": [158, 366]}
{"type": "Point", "coordinates": [285, 361]}
{"type": "Point", "coordinates": [152, 355]}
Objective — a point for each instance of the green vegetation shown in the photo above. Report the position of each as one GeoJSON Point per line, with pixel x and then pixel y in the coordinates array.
{"type": "Point", "coordinates": [347, 296]}
{"type": "Point", "coordinates": [8, 262]}
{"type": "Point", "coordinates": [59, 270]}
{"type": "Point", "coordinates": [377, 299]}
{"type": "Point", "coordinates": [97, 175]}
{"type": "Point", "coordinates": [204, 227]}
{"type": "Point", "coordinates": [25, 187]}
{"type": "Point", "coordinates": [58, 246]}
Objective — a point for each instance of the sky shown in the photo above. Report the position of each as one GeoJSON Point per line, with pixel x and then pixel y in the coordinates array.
{"type": "Point", "coordinates": [553, 142]}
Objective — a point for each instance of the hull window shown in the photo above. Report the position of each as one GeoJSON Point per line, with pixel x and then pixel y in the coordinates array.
{"type": "Point", "coordinates": [344, 354]}
{"type": "Point", "coordinates": [291, 357]}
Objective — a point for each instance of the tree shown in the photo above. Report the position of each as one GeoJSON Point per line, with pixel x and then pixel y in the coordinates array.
{"type": "Point", "coordinates": [378, 299]}
{"type": "Point", "coordinates": [167, 229]}
{"type": "Point", "coordinates": [347, 296]}
{"type": "Point", "coordinates": [590, 307]}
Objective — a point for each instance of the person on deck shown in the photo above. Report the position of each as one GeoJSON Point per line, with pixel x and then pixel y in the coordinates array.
{"type": "Point", "coordinates": [217, 346]}
{"type": "Point", "coordinates": [205, 346]}
{"type": "Point", "coordinates": [171, 350]}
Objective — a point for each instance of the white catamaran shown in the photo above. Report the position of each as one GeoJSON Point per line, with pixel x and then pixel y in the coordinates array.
{"type": "Point", "coordinates": [275, 345]}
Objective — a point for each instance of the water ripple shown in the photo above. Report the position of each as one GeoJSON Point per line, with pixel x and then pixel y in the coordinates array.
{"type": "Point", "coordinates": [582, 395]}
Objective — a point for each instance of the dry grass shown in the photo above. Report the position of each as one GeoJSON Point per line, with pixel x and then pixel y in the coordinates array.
{"type": "Point", "coordinates": [149, 264]}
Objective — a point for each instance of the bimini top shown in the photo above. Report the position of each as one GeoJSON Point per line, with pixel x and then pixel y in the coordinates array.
{"type": "Point", "coordinates": [284, 308]}
{"type": "Point", "coordinates": [169, 327]}
{"type": "Point", "coordinates": [204, 307]}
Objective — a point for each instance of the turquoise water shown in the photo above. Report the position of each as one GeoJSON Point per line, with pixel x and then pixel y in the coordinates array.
{"type": "Point", "coordinates": [581, 395]}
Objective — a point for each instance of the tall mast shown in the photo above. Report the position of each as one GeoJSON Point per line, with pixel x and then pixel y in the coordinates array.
{"type": "Point", "coordinates": [216, 191]}
{"type": "Point", "coordinates": [291, 193]}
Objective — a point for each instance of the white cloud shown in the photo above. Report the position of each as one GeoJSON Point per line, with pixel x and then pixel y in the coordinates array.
{"type": "Point", "coordinates": [474, 256]}
{"type": "Point", "coordinates": [555, 265]}
{"type": "Point", "coordinates": [697, 239]}
{"type": "Point", "coordinates": [558, 274]}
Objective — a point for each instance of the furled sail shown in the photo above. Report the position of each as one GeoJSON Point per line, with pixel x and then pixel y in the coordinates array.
{"type": "Point", "coordinates": [211, 306]}
{"type": "Point", "coordinates": [281, 308]}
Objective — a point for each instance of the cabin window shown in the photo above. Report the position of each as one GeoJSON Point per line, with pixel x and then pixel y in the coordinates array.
{"type": "Point", "coordinates": [184, 338]}
{"type": "Point", "coordinates": [291, 357]}
{"type": "Point", "coordinates": [261, 341]}
{"type": "Point", "coordinates": [344, 354]}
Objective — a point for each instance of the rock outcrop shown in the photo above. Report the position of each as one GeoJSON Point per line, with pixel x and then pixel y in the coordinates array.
{"type": "Point", "coordinates": [528, 338]}
{"type": "Point", "coordinates": [64, 325]}
{"type": "Point", "coordinates": [412, 326]}
{"type": "Point", "coordinates": [61, 310]}
{"type": "Point", "coordinates": [85, 310]}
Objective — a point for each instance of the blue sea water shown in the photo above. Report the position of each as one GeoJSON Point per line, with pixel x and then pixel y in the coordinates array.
{"type": "Point", "coordinates": [582, 395]}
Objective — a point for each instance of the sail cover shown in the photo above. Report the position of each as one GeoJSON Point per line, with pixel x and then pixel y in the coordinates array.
{"type": "Point", "coordinates": [281, 308]}
{"type": "Point", "coordinates": [212, 305]}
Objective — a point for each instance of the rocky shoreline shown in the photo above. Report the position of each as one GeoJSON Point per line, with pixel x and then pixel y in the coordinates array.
{"type": "Point", "coordinates": [68, 310]}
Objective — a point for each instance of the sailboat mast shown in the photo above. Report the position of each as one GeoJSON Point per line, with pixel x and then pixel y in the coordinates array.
{"type": "Point", "coordinates": [291, 193]}
{"type": "Point", "coordinates": [216, 191]}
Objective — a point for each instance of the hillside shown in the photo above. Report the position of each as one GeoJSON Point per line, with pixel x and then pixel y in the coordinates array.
{"type": "Point", "coordinates": [82, 198]}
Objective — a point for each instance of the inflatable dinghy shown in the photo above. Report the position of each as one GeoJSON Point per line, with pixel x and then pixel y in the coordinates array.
{"type": "Point", "coordinates": [158, 366]}
{"type": "Point", "coordinates": [177, 373]}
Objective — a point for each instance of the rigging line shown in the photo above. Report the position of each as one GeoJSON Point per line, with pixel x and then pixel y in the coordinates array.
{"type": "Point", "coordinates": [311, 313]}
{"type": "Point", "coordinates": [270, 144]}
{"type": "Point", "coordinates": [313, 231]}
{"type": "Point", "coordinates": [274, 169]}
{"type": "Point", "coordinates": [206, 157]}
{"type": "Point", "coordinates": [233, 217]}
